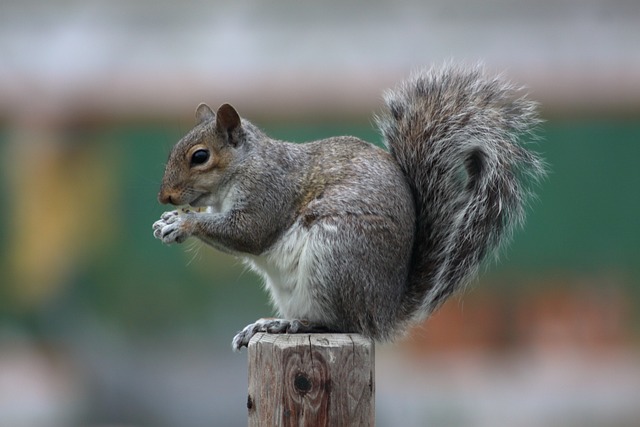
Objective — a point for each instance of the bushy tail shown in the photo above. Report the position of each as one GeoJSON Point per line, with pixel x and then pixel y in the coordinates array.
{"type": "Point", "coordinates": [455, 134]}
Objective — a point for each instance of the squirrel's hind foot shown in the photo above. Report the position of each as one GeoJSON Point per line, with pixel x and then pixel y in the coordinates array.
{"type": "Point", "coordinates": [275, 326]}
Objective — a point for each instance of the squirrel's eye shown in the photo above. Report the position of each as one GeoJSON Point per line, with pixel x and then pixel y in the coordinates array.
{"type": "Point", "coordinates": [199, 157]}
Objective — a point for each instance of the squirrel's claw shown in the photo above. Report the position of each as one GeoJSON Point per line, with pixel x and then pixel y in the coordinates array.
{"type": "Point", "coordinates": [275, 326]}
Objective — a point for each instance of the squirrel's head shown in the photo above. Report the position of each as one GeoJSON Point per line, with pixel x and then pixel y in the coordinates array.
{"type": "Point", "coordinates": [199, 161]}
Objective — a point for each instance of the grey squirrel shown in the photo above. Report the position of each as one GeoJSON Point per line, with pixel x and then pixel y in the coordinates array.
{"type": "Point", "coordinates": [350, 237]}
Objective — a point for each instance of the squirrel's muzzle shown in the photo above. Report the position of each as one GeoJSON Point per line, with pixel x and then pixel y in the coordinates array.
{"type": "Point", "coordinates": [165, 198]}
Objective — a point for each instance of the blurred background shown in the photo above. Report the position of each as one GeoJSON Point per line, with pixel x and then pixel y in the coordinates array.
{"type": "Point", "coordinates": [101, 325]}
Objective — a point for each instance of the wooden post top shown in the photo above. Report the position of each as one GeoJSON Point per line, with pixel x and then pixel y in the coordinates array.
{"type": "Point", "coordinates": [322, 340]}
{"type": "Point", "coordinates": [311, 380]}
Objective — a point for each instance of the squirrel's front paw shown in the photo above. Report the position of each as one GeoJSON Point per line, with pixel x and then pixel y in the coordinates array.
{"type": "Point", "coordinates": [172, 227]}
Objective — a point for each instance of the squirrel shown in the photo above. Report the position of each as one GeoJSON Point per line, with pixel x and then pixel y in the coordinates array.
{"type": "Point", "coordinates": [350, 237]}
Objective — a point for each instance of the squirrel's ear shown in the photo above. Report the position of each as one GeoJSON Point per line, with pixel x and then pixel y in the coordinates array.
{"type": "Point", "coordinates": [227, 120]}
{"type": "Point", "coordinates": [204, 114]}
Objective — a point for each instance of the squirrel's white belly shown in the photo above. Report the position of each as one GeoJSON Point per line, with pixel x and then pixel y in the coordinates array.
{"type": "Point", "coordinates": [290, 269]}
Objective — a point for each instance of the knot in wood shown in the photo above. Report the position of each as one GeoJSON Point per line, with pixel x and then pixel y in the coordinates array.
{"type": "Point", "coordinates": [302, 383]}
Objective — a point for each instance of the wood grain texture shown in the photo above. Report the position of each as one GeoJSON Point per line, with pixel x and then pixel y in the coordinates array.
{"type": "Point", "coordinates": [311, 380]}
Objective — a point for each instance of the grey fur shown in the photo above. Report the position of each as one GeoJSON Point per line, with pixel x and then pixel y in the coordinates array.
{"type": "Point", "coordinates": [351, 238]}
{"type": "Point", "coordinates": [451, 123]}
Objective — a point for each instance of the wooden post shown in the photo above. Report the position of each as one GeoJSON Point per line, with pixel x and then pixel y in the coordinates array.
{"type": "Point", "coordinates": [311, 380]}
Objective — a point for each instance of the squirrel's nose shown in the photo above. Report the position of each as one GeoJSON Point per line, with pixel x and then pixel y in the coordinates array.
{"type": "Point", "coordinates": [165, 198]}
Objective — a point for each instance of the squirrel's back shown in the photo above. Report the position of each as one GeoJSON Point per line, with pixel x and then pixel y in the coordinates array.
{"type": "Point", "coordinates": [456, 135]}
